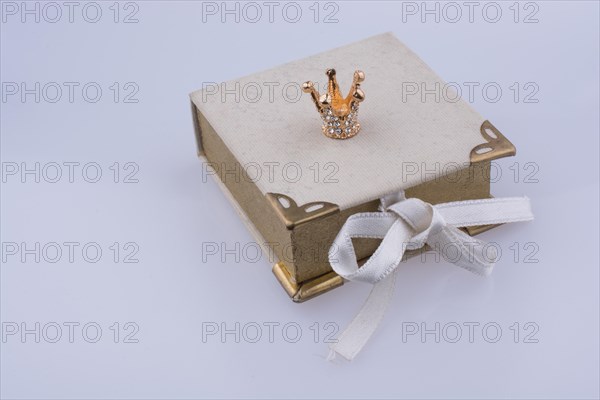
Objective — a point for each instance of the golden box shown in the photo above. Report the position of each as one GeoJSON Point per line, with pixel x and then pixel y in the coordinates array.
{"type": "Point", "coordinates": [294, 187]}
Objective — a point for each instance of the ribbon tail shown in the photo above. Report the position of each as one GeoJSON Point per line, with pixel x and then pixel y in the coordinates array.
{"type": "Point", "coordinates": [356, 335]}
{"type": "Point", "coordinates": [486, 211]}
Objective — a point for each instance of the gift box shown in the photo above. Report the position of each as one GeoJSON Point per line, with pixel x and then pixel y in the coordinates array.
{"type": "Point", "coordinates": [295, 187]}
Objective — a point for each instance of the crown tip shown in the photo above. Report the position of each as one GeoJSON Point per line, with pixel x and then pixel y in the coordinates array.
{"type": "Point", "coordinates": [330, 72]}
{"type": "Point", "coordinates": [307, 86]}
{"type": "Point", "coordinates": [358, 95]}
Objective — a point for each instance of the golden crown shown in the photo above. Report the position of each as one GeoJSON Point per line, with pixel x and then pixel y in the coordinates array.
{"type": "Point", "coordinates": [339, 114]}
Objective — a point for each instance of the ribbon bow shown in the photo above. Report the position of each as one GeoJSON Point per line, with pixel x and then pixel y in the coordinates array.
{"type": "Point", "coordinates": [409, 224]}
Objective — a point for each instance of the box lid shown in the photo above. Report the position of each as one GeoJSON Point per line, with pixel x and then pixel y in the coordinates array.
{"type": "Point", "coordinates": [274, 131]}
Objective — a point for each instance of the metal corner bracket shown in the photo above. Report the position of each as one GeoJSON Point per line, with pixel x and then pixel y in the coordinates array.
{"type": "Point", "coordinates": [293, 215]}
{"type": "Point", "coordinates": [300, 292]}
{"type": "Point", "coordinates": [497, 145]}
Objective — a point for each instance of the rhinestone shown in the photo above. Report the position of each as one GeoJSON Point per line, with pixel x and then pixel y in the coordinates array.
{"type": "Point", "coordinates": [331, 131]}
{"type": "Point", "coordinates": [338, 131]}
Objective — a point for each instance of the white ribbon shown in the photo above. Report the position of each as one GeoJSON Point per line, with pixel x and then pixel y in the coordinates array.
{"type": "Point", "coordinates": [409, 224]}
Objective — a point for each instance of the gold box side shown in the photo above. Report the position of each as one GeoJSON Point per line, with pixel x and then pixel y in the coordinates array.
{"type": "Point", "coordinates": [197, 130]}
{"type": "Point", "coordinates": [250, 199]}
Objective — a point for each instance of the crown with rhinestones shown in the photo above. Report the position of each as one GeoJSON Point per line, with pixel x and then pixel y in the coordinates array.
{"type": "Point", "coordinates": [339, 114]}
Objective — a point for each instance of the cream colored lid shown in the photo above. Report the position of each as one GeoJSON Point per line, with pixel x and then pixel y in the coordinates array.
{"type": "Point", "coordinates": [403, 142]}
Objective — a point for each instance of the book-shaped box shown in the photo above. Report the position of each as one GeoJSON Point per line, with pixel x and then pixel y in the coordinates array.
{"type": "Point", "coordinates": [294, 187]}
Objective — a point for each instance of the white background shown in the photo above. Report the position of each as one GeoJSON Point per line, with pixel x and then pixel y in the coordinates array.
{"type": "Point", "coordinates": [172, 210]}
